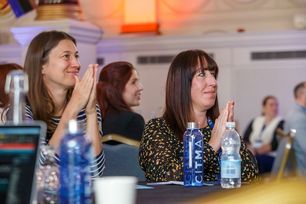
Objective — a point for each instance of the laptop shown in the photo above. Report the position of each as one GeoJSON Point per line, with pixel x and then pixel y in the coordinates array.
{"type": "Point", "coordinates": [19, 152]}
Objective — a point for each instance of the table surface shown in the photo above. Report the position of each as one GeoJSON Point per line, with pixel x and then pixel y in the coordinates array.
{"type": "Point", "coordinates": [169, 194]}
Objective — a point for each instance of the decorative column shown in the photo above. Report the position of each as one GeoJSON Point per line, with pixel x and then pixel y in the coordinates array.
{"type": "Point", "coordinates": [58, 9]}
{"type": "Point", "coordinates": [86, 35]}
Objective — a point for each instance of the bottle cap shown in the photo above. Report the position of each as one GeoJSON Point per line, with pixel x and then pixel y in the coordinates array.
{"type": "Point", "coordinates": [192, 125]}
{"type": "Point", "coordinates": [73, 126]}
{"type": "Point", "coordinates": [230, 124]}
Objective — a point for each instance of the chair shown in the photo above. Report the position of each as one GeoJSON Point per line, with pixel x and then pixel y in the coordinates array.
{"type": "Point", "coordinates": [121, 139]}
{"type": "Point", "coordinates": [122, 159]}
{"type": "Point", "coordinates": [284, 155]}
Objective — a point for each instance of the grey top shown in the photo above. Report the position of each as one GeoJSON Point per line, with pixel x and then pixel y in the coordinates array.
{"type": "Point", "coordinates": [296, 119]}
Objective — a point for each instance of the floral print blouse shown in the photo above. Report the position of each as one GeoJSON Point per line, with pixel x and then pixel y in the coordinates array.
{"type": "Point", "coordinates": [161, 155]}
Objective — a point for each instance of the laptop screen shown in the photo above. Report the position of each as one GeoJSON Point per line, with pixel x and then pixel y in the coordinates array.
{"type": "Point", "coordinates": [19, 146]}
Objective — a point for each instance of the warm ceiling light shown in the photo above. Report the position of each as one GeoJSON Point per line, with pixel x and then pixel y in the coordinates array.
{"type": "Point", "coordinates": [139, 16]}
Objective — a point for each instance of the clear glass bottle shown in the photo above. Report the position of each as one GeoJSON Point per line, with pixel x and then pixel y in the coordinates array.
{"type": "Point", "coordinates": [230, 158]}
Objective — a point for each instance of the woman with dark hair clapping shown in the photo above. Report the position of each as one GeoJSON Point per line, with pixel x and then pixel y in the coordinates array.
{"type": "Point", "coordinates": [191, 96]}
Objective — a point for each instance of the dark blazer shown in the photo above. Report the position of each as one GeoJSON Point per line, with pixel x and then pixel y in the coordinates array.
{"type": "Point", "coordinates": [126, 123]}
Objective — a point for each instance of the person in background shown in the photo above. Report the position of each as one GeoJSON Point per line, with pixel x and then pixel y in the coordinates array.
{"type": "Point", "coordinates": [261, 136]}
{"type": "Point", "coordinates": [4, 97]}
{"type": "Point", "coordinates": [191, 95]}
{"type": "Point", "coordinates": [57, 94]}
{"type": "Point", "coordinates": [118, 90]}
{"type": "Point", "coordinates": [296, 119]}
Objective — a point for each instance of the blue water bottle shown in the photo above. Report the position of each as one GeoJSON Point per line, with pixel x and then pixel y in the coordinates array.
{"type": "Point", "coordinates": [193, 155]}
{"type": "Point", "coordinates": [75, 159]}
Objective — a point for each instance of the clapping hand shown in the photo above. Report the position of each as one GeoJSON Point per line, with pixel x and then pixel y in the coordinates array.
{"type": "Point", "coordinates": [83, 89]}
{"type": "Point", "coordinates": [91, 104]}
{"type": "Point", "coordinates": [227, 114]}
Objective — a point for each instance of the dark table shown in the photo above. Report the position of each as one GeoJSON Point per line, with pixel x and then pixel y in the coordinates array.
{"type": "Point", "coordinates": [168, 194]}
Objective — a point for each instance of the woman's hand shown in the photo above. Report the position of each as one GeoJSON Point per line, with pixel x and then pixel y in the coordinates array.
{"type": "Point", "coordinates": [82, 90]}
{"type": "Point", "coordinates": [83, 94]}
{"type": "Point", "coordinates": [91, 105]}
{"type": "Point", "coordinates": [227, 114]}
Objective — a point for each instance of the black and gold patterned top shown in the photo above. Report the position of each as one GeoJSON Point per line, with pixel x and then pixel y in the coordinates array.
{"type": "Point", "coordinates": [161, 155]}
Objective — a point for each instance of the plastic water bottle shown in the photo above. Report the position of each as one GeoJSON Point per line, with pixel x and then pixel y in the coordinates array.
{"type": "Point", "coordinates": [17, 86]}
{"type": "Point", "coordinates": [47, 178]}
{"type": "Point", "coordinates": [193, 155]}
{"type": "Point", "coordinates": [75, 160]}
{"type": "Point", "coordinates": [230, 158]}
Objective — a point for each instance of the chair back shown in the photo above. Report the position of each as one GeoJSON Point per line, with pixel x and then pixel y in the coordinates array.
{"type": "Point", "coordinates": [122, 160]}
{"type": "Point", "coordinates": [284, 159]}
{"type": "Point", "coordinates": [120, 138]}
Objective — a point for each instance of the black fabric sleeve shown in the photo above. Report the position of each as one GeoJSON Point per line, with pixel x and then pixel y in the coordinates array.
{"type": "Point", "coordinates": [274, 143]}
{"type": "Point", "coordinates": [136, 126]}
{"type": "Point", "coordinates": [247, 133]}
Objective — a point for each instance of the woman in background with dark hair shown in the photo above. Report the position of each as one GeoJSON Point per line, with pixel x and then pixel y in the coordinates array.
{"type": "Point", "coordinates": [118, 90]}
{"type": "Point", "coordinates": [4, 97]}
{"type": "Point", "coordinates": [261, 136]}
{"type": "Point", "coordinates": [191, 95]}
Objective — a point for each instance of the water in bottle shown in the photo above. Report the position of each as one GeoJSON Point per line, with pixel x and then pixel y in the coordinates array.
{"type": "Point", "coordinates": [193, 155]}
{"type": "Point", "coordinates": [75, 160]}
{"type": "Point", "coordinates": [230, 158]}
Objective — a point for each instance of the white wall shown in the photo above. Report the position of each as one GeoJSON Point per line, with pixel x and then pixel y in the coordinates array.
{"type": "Point", "coordinates": [241, 79]}
{"type": "Point", "coordinates": [197, 17]}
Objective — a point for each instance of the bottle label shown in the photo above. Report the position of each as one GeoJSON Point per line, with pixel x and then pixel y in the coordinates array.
{"type": "Point", "coordinates": [230, 168]}
{"type": "Point", "coordinates": [193, 158]}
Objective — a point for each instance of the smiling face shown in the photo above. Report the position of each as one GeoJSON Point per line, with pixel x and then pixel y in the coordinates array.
{"type": "Point", "coordinates": [203, 90]}
{"type": "Point", "coordinates": [62, 66]}
{"type": "Point", "coordinates": [132, 91]}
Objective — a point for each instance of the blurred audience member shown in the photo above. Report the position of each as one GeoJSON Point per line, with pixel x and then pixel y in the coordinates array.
{"type": "Point", "coordinates": [118, 90]}
{"type": "Point", "coordinates": [261, 135]}
{"type": "Point", "coordinates": [4, 98]}
{"type": "Point", "coordinates": [296, 119]}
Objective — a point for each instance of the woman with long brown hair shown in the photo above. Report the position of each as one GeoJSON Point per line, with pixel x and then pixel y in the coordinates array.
{"type": "Point", "coordinates": [191, 95]}
{"type": "Point", "coordinates": [57, 94]}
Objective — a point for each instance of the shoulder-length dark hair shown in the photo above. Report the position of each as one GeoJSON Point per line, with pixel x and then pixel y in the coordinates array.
{"type": "Point", "coordinates": [4, 97]}
{"type": "Point", "coordinates": [112, 80]}
{"type": "Point", "coordinates": [37, 55]}
{"type": "Point", "coordinates": [178, 108]}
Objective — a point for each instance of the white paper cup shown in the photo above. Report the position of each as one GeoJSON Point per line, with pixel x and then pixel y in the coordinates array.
{"type": "Point", "coordinates": [115, 190]}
